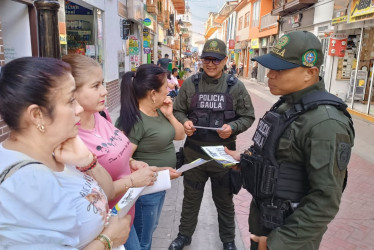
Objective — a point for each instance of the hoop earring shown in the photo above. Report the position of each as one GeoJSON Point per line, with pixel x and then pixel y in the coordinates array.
{"type": "Point", "coordinates": [40, 127]}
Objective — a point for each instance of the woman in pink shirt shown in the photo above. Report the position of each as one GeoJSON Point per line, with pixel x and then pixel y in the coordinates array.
{"type": "Point", "coordinates": [111, 146]}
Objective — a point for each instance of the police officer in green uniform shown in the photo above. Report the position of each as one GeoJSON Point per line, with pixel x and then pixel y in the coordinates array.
{"type": "Point", "coordinates": [210, 99]}
{"type": "Point", "coordinates": [296, 169]}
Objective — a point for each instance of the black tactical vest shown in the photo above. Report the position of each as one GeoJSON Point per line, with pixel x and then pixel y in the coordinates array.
{"type": "Point", "coordinates": [211, 110]}
{"type": "Point", "coordinates": [277, 187]}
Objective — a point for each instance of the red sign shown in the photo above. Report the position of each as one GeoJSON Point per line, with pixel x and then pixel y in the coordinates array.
{"type": "Point", "coordinates": [231, 44]}
{"type": "Point", "coordinates": [338, 45]}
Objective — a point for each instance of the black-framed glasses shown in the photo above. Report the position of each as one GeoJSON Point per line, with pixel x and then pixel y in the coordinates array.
{"type": "Point", "coordinates": [213, 60]}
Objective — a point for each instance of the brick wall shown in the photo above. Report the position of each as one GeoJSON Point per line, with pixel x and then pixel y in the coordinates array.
{"type": "Point", "coordinates": [4, 131]}
{"type": "Point", "coordinates": [114, 93]}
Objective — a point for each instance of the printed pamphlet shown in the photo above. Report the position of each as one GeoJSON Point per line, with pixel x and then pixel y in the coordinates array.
{"type": "Point", "coordinates": [218, 154]}
{"type": "Point", "coordinates": [192, 165]}
{"type": "Point", "coordinates": [128, 199]}
{"type": "Point", "coordinates": [210, 128]}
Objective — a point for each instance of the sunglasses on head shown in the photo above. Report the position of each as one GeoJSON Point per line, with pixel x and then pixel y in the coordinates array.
{"type": "Point", "coordinates": [213, 60]}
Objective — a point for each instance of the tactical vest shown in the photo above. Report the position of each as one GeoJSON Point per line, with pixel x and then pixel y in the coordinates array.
{"type": "Point", "coordinates": [211, 110]}
{"type": "Point", "coordinates": [278, 187]}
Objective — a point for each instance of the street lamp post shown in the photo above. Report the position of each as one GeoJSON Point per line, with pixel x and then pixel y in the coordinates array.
{"type": "Point", "coordinates": [180, 24]}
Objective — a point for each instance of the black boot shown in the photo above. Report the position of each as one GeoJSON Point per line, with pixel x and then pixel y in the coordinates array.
{"type": "Point", "coordinates": [229, 246]}
{"type": "Point", "coordinates": [180, 242]}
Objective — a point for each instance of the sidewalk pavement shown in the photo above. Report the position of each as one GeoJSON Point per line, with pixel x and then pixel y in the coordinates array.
{"type": "Point", "coordinates": [353, 227]}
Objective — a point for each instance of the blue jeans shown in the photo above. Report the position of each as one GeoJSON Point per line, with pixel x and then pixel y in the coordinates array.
{"type": "Point", "coordinates": [147, 212]}
{"type": "Point", "coordinates": [132, 242]}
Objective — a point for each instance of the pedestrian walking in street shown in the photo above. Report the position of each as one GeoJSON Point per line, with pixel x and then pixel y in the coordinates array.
{"type": "Point", "coordinates": [210, 99]}
{"type": "Point", "coordinates": [302, 146]}
{"type": "Point", "coordinates": [109, 144]}
{"type": "Point", "coordinates": [146, 117]}
{"type": "Point", "coordinates": [53, 192]}
{"type": "Point", "coordinates": [254, 71]}
{"type": "Point", "coordinates": [164, 62]}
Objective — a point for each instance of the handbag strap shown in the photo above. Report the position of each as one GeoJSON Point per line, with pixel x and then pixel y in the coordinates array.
{"type": "Point", "coordinates": [9, 171]}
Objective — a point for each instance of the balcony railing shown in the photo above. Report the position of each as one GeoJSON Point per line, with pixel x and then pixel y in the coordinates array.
{"type": "Point", "coordinates": [268, 21]}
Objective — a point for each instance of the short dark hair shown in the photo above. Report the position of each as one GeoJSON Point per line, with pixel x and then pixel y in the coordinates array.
{"type": "Point", "coordinates": [134, 87]}
{"type": "Point", "coordinates": [166, 55]}
{"type": "Point", "coordinates": [26, 81]}
{"type": "Point", "coordinates": [174, 70]}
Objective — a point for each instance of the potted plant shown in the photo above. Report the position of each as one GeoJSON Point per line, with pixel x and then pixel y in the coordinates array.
{"type": "Point", "coordinates": [181, 77]}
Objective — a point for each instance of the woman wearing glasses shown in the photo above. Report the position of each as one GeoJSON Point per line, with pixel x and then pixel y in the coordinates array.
{"type": "Point", "coordinates": [210, 99]}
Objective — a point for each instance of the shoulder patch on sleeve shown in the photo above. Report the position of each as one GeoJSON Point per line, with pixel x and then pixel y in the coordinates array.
{"type": "Point", "coordinates": [344, 154]}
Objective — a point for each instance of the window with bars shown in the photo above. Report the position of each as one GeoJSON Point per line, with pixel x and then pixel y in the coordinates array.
{"type": "Point", "coordinates": [246, 20]}
{"type": "Point", "coordinates": [240, 26]}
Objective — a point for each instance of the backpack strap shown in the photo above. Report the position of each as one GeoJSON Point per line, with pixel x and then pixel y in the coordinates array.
{"type": "Point", "coordinates": [9, 171]}
{"type": "Point", "coordinates": [231, 81]}
{"type": "Point", "coordinates": [196, 79]}
{"type": "Point", "coordinates": [313, 100]}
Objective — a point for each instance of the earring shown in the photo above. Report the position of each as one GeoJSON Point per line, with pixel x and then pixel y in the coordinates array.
{"type": "Point", "coordinates": [41, 128]}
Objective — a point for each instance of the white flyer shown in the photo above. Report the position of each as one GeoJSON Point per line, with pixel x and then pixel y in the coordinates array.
{"type": "Point", "coordinates": [218, 154]}
{"type": "Point", "coordinates": [192, 165]}
{"type": "Point", "coordinates": [209, 128]}
{"type": "Point", "coordinates": [129, 198]}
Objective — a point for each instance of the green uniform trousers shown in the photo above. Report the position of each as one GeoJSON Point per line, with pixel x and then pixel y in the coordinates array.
{"type": "Point", "coordinates": [194, 182]}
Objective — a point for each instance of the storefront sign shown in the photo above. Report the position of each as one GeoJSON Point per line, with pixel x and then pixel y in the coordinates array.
{"type": "Point", "coordinates": [264, 42]}
{"type": "Point", "coordinates": [75, 9]}
{"type": "Point", "coordinates": [361, 10]}
{"type": "Point", "coordinates": [237, 50]}
{"type": "Point", "coordinates": [303, 19]}
{"type": "Point", "coordinates": [255, 43]}
{"type": "Point", "coordinates": [170, 31]}
{"type": "Point", "coordinates": [339, 14]}
{"type": "Point", "coordinates": [243, 44]}
{"type": "Point", "coordinates": [122, 8]}
{"type": "Point", "coordinates": [134, 46]}
{"type": "Point", "coordinates": [338, 44]}
{"type": "Point", "coordinates": [147, 50]}
{"type": "Point", "coordinates": [231, 44]}
{"type": "Point", "coordinates": [296, 20]}
{"type": "Point", "coordinates": [147, 22]}
{"type": "Point", "coordinates": [153, 22]}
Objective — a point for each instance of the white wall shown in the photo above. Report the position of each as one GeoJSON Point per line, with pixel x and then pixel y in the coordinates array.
{"type": "Point", "coordinates": [16, 29]}
{"type": "Point", "coordinates": [113, 42]}
{"type": "Point", "coordinates": [323, 11]}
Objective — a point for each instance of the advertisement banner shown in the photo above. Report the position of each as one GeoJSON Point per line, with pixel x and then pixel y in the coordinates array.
{"type": "Point", "coordinates": [361, 10]}
{"type": "Point", "coordinates": [255, 43]}
{"type": "Point", "coordinates": [340, 12]}
{"type": "Point", "coordinates": [231, 44]}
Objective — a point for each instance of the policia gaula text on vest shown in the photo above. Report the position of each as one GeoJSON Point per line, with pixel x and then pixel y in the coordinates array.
{"type": "Point", "coordinates": [277, 188]}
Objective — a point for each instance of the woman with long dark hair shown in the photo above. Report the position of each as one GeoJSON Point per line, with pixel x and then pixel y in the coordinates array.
{"type": "Point", "coordinates": [146, 117]}
{"type": "Point", "coordinates": [53, 193]}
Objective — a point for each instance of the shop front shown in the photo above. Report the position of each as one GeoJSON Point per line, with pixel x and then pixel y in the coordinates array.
{"type": "Point", "coordinates": [350, 58]}
{"type": "Point", "coordinates": [81, 29]}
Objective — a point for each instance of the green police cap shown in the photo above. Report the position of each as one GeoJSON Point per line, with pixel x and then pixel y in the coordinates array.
{"type": "Point", "coordinates": [214, 48]}
{"type": "Point", "coordinates": [295, 49]}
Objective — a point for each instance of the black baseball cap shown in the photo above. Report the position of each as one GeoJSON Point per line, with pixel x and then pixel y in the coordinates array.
{"type": "Point", "coordinates": [214, 48]}
{"type": "Point", "coordinates": [292, 50]}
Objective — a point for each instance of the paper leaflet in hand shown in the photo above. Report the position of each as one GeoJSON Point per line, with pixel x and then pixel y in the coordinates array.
{"type": "Point", "coordinates": [128, 200]}
{"type": "Point", "coordinates": [219, 155]}
{"type": "Point", "coordinates": [192, 165]}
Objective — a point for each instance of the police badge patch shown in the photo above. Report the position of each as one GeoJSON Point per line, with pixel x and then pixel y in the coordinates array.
{"type": "Point", "coordinates": [344, 154]}
{"type": "Point", "coordinates": [310, 58]}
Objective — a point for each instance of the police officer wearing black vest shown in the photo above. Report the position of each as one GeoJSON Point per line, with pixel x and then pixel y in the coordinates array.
{"type": "Point", "coordinates": [210, 99]}
{"type": "Point", "coordinates": [296, 169]}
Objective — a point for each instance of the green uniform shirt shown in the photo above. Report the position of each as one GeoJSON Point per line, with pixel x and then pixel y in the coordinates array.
{"type": "Point", "coordinates": [242, 103]}
{"type": "Point", "coordinates": [154, 138]}
{"type": "Point", "coordinates": [316, 140]}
